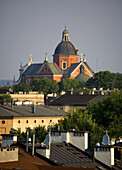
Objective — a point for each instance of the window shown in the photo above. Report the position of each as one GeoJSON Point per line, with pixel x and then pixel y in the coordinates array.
{"type": "Point", "coordinates": [42, 121]}
{"type": "Point", "coordinates": [34, 121]}
{"type": "Point", "coordinates": [58, 120]}
{"type": "Point", "coordinates": [64, 65]}
{"type": "Point", "coordinates": [18, 121]}
{"type": "Point", "coordinates": [45, 68]}
{"type": "Point", "coordinates": [26, 121]}
{"type": "Point", "coordinates": [3, 122]}
{"type": "Point", "coordinates": [8, 149]}
{"type": "Point", "coordinates": [50, 121]}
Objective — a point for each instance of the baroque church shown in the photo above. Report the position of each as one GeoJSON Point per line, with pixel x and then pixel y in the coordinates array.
{"type": "Point", "coordinates": [65, 64]}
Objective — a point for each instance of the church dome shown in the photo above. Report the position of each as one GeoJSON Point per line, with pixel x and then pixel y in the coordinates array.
{"type": "Point", "coordinates": [65, 48]}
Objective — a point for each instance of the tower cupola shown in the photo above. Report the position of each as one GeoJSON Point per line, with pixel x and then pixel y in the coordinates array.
{"type": "Point", "coordinates": [65, 35]}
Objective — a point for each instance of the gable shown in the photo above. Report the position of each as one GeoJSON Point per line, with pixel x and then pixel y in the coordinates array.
{"type": "Point", "coordinates": [78, 69]}
{"type": "Point", "coordinates": [45, 69]}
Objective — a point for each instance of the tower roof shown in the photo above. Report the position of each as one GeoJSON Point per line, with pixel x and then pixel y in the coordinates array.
{"type": "Point", "coordinates": [65, 47]}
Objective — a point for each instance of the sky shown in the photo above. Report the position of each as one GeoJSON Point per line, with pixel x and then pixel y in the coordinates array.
{"type": "Point", "coordinates": [36, 26]}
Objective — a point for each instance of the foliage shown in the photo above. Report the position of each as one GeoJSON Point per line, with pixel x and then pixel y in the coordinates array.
{"type": "Point", "coordinates": [21, 87]}
{"type": "Point", "coordinates": [40, 134]}
{"type": "Point", "coordinates": [71, 84]}
{"type": "Point", "coordinates": [108, 113]}
{"type": "Point", "coordinates": [45, 85]}
{"type": "Point", "coordinates": [106, 80]}
{"type": "Point", "coordinates": [5, 87]}
{"type": "Point", "coordinates": [5, 98]}
{"type": "Point", "coordinates": [81, 120]}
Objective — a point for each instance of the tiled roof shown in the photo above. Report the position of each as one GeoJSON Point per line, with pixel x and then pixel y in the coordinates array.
{"type": "Point", "coordinates": [89, 67]}
{"type": "Point", "coordinates": [55, 68]}
{"type": "Point", "coordinates": [76, 99]}
{"type": "Point", "coordinates": [71, 68]}
{"type": "Point", "coordinates": [32, 69]}
{"type": "Point", "coordinates": [25, 111]}
{"type": "Point", "coordinates": [26, 161]}
{"type": "Point", "coordinates": [69, 156]}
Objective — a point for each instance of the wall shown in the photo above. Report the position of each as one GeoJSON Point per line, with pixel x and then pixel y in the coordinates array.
{"type": "Point", "coordinates": [34, 122]}
{"type": "Point", "coordinates": [6, 127]}
{"type": "Point", "coordinates": [31, 97]}
{"type": "Point", "coordinates": [80, 140]}
{"type": "Point", "coordinates": [9, 154]}
{"type": "Point", "coordinates": [44, 152]}
{"type": "Point", "coordinates": [105, 155]}
{"type": "Point", "coordinates": [68, 108]}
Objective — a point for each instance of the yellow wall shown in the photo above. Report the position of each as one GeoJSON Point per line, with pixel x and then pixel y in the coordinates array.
{"type": "Point", "coordinates": [6, 127]}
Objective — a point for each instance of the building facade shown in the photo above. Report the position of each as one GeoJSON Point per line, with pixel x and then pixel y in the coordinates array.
{"type": "Point", "coordinates": [65, 64]}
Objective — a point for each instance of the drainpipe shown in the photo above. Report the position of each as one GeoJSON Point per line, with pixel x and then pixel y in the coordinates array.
{"type": "Point", "coordinates": [33, 145]}
{"type": "Point", "coordinates": [27, 137]}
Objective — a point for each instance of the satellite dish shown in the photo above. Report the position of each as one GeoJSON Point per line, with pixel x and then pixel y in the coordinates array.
{"type": "Point", "coordinates": [106, 139]}
{"type": "Point", "coordinates": [47, 140]}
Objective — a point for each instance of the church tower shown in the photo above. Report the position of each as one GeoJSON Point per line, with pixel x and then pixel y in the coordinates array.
{"type": "Point", "coordinates": [65, 53]}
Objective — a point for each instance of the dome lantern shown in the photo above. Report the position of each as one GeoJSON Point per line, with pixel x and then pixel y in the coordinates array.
{"type": "Point", "coordinates": [65, 35]}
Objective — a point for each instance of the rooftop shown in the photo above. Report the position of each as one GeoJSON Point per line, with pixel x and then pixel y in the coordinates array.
{"type": "Point", "coordinates": [69, 156]}
{"type": "Point", "coordinates": [77, 99]}
{"type": "Point", "coordinates": [26, 111]}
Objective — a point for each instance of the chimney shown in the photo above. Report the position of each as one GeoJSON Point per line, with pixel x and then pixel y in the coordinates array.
{"type": "Point", "coordinates": [33, 145]}
{"type": "Point", "coordinates": [33, 107]}
{"type": "Point", "coordinates": [27, 137]}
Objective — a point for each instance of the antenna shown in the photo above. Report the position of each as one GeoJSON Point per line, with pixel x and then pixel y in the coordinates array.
{"type": "Point", "coordinates": [96, 64]}
{"type": "Point", "coordinates": [106, 138]}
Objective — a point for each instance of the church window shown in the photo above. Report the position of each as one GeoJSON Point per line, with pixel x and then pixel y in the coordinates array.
{"type": "Point", "coordinates": [18, 121]}
{"type": "Point", "coordinates": [64, 65]}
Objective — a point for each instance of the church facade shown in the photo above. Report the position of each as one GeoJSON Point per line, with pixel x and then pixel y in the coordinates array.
{"type": "Point", "coordinates": [65, 64]}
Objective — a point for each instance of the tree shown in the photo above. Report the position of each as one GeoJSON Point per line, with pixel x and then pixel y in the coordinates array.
{"type": "Point", "coordinates": [21, 87]}
{"type": "Point", "coordinates": [40, 133]}
{"type": "Point", "coordinates": [106, 80]}
{"type": "Point", "coordinates": [108, 114]}
{"type": "Point", "coordinates": [81, 120]}
{"type": "Point", "coordinates": [5, 98]}
{"type": "Point", "coordinates": [69, 84]}
{"type": "Point", "coordinates": [35, 85]}
{"type": "Point", "coordinates": [45, 85]}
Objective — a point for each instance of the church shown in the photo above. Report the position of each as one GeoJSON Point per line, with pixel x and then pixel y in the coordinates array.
{"type": "Point", "coordinates": [65, 64]}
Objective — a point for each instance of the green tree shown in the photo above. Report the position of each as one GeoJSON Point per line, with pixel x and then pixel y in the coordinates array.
{"type": "Point", "coordinates": [35, 85]}
{"type": "Point", "coordinates": [81, 120]}
{"type": "Point", "coordinates": [69, 84]}
{"type": "Point", "coordinates": [21, 87]}
{"type": "Point", "coordinates": [5, 98]}
{"type": "Point", "coordinates": [106, 80]}
{"type": "Point", "coordinates": [108, 113]}
{"type": "Point", "coordinates": [45, 85]}
{"type": "Point", "coordinates": [40, 134]}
